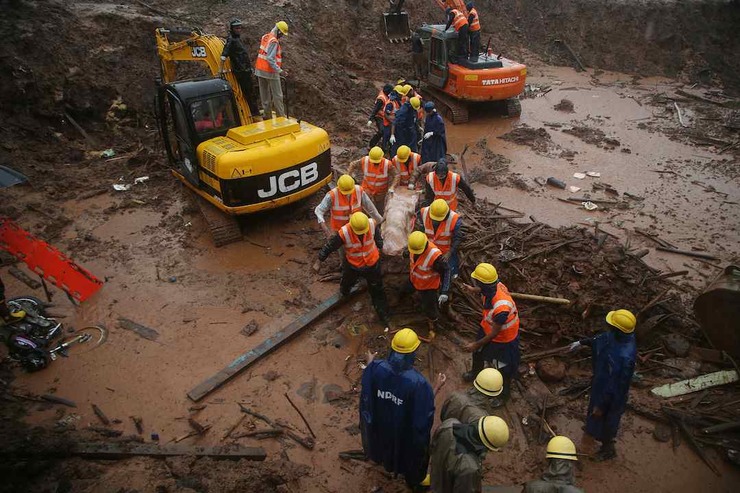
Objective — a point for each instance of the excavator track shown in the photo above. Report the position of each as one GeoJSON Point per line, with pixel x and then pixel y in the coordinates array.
{"type": "Point", "coordinates": [224, 228]}
{"type": "Point", "coordinates": [452, 109]}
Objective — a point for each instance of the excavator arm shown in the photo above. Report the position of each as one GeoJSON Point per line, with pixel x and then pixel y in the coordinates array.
{"type": "Point", "coordinates": [198, 47]}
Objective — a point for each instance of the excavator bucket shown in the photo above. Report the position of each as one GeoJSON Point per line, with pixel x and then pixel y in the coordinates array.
{"type": "Point", "coordinates": [397, 27]}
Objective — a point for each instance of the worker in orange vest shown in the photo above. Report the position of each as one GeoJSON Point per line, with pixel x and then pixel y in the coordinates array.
{"type": "Point", "coordinates": [444, 184]}
{"type": "Point", "coordinates": [459, 22]}
{"type": "Point", "coordinates": [362, 243]}
{"type": "Point", "coordinates": [268, 68]}
{"type": "Point", "coordinates": [378, 173]}
{"type": "Point", "coordinates": [405, 162]}
{"type": "Point", "coordinates": [429, 275]}
{"type": "Point", "coordinates": [443, 227]}
{"type": "Point", "coordinates": [344, 200]}
{"type": "Point", "coordinates": [376, 115]}
{"type": "Point", "coordinates": [498, 335]}
{"type": "Point", "coordinates": [474, 31]}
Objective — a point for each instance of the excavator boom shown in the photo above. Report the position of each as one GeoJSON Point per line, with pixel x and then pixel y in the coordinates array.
{"type": "Point", "coordinates": [198, 47]}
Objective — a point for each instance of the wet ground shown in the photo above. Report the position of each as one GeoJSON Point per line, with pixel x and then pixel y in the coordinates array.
{"type": "Point", "coordinates": [161, 271]}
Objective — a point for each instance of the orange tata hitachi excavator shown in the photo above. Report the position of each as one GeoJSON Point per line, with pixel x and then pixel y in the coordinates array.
{"type": "Point", "coordinates": [236, 162]}
{"type": "Point", "coordinates": [456, 84]}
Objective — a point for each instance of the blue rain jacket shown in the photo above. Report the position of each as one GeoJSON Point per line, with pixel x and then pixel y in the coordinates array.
{"type": "Point", "coordinates": [396, 416]}
{"type": "Point", "coordinates": [435, 147]}
{"type": "Point", "coordinates": [613, 361]}
{"type": "Point", "coordinates": [406, 127]}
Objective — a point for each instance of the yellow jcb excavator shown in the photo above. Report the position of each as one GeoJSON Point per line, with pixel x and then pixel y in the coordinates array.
{"type": "Point", "coordinates": [234, 161]}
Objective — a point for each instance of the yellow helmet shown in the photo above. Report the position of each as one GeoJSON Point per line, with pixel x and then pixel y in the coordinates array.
{"type": "Point", "coordinates": [417, 242]}
{"type": "Point", "coordinates": [560, 447]}
{"type": "Point", "coordinates": [485, 273]}
{"type": "Point", "coordinates": [398, 88]}
{"type": "Point", "coordinates": [415, 103]}
{"type": "Point", "coordinates": [405, 341]}
{"type": "Point", "coordinates": [401, 81]}
{"type": "Point", "coordinates": [407, 88]}
{"type": "Point", "coordinates": [493, 432]}
{"type": "Point", "coordinates": [359, 223]}
{"type": "Point", "coordinates": [624, 320]}
{"type": "Point", "coordinates": [489, 382]}
{"type": "Point", "coordinates": [403, 90]}
{"type": "Point", "coordinates": [438, 210]}
{"type": "Point", "coordinates": [403, 153]}
{"type": "Point", "coordinates": [346, 184]}
{"type": "Point", "coordinates": [282, 27]}
{"type": "Point", "coordinates": [375, 154]}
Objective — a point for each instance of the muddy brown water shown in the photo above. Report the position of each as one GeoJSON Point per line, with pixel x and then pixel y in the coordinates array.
{"type": "Point", "coordinates": [213, 293]}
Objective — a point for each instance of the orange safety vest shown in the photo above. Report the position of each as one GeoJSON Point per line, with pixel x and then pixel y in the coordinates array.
{"type": "Point", "coordinates": [502, 302]}
{"type": "Point", "coordinates": [385, 99]}
{"type": "Point", "coordinates": [421, 271]}
{"type": "Point", "coordinates": [261, 63]}
{"type": "Point", "coordinates": [343, 206]}
{"type": "Point", "coordinates": [459, 20]}
{"type": "Point", "coordinates": [360, 252]}
{"type": "Point", "coordinates": [407, 169]}
{"type": "Point", "coordinates": [442, 237]}
{"type": "Point", "coordinates": [446, 191]}
{"type": "Point", "coordinates": [387, 122]}
{"type": "Point", "coordinates": [475, 25]}
{"type": "Point", "coordinates": [375, 179]}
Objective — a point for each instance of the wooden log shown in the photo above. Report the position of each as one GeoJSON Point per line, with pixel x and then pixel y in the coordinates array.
{"type": "Point", "coordinates": [305, 421]}
{"type": "Point", "coordinates": [696, 384]}
{"type": "Point", "coordinates": [23, 277]}
{"type": "Point", "coordinates": [58, 400]}
{"type": "Point", "coordinates": [101, 415]}
{"type": "Point", "coordinates": [268, 345]}
{"type": "Point", "coordinates": [687, 252]}
{"type": "Point", "coordinates": [697, 448]}
{"type": "Point", "coordinates": [722, 427]}
{"type": "Point", "coordinates": [545, 299]}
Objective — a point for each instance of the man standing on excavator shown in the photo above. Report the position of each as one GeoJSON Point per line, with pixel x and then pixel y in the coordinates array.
{"type": "Point", "coordinates": [459, 22]}
{"type": "Point", "coordinates": [236, 51]}
{"type": "Point", "coordinates": [474, 31]}
{"type": "Point", "coordinates": [269, 67]}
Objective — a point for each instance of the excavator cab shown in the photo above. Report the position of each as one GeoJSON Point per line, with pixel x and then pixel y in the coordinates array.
{"type": "Point", "coordinates": [192, 112]}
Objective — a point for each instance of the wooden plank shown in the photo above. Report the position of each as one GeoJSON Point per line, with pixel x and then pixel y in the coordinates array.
{"type": "Point", "coordinates": [24, 278]}
{"type": "Point", "coordinates": [687, 252]}
{"type": "Point", "coordinates": [112, 450]}
{"type": "Point", "coordinates": [267, 346]}
{"type": "Point", "coordinates": [141, 330]}
{"type": "Point", "coordinates": [695, 384]}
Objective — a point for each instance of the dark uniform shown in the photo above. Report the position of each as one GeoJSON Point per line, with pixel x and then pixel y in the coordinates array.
{"type": "Point", "coordinates": [557, 479]}
{"type": "Point", "coordinates": [241, 68]}
{"type": "Point", "coordinates": [456, 459]}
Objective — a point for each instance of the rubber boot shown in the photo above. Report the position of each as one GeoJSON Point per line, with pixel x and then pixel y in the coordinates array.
{"type": "Point", "coordinates": [607, 452]}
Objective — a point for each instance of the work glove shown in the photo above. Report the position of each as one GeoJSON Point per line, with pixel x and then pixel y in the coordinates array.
{"type": "Point", "coordinates": [427, 135]}
{"type": "Point", "coordinates": [370, 123]}
{"type": "Point", "coordinates": [411, 186]}
{"type": "Point", "coordinates": [392, 140]}
{"type": "Point", "coordinates": [443, 299]}
{"type": "Point", "coordinates": [573, 346]}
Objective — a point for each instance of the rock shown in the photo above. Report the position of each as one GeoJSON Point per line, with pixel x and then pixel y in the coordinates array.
{"type": "Point", "coordinates": [551, 370]}
{"type": "Point", "coordinates": [677, 344]}
{"type": "Point", "coordinates": [681, 367]}
{"type": "Point", "coordinates": [271, 375]}
{"type": "Point", "coordinates": [565, 105]}
{"type": "Point", "coordinates": [333, 392]}
{"type": "Point", "coordinates": [662, 432]}
{"type": "Point", "coordinates": [250, 328]}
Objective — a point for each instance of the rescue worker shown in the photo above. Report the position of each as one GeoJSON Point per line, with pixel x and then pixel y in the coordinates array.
{"type": "Point", "coordinates": [429, 275]}
{"type": "Point", "coordinates": [362, 242]}
{"type": "Point", "coordinates": [444, 184]}
{"type": "Point", "coordinates": [417, 56]}
{"type": "Point", "coordinates": [405, 162]}
{"type": "Point", "coordinates": [434, 146]}
{"type": "Point", "coordinates": [478, 401]}
{"type": "Point", "coordinates": [498, 335]}
{"type": "Point", "coordinates": [236, 51]}
{"type": "Point", "coordinates": [397, 411]}
{"type": "Point", "coordinates": [389, 114]}
{"type": "Point", "coordinates": [560, 475]}
{"type": "Point", "coordinates": [403, 129]}
{"type": "Point", "coordinates": [613, 355]}
{"type": "Point", "coordinates": [343, 201]}
{"type": "Point", "coordinates": [458, 450]}
{"type": "Point", "coordinates": [443, 227]}
{"type": "Point", "coordinates": [459, 22]}
{"type": "Point", "coordinates": [474, 31]}
{"type": "Point", "coordinates": [6, 314]}
{"type": "Point", "coordinates": [378, 173]}
{"type": "Point", "coordinates": [268, 68]}
{"type": "Point", "coordinates": [376, 115]}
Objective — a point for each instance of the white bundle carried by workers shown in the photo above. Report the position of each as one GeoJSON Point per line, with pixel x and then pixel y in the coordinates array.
{"type": "Point", "coordinates": [399, 215]}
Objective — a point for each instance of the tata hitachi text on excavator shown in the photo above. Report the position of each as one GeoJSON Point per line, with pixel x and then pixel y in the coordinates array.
{"type": "Point", "coordinates": [236, 162]}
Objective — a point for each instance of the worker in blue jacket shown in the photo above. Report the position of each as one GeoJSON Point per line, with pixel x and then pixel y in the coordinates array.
{"type": "Point", "coordinates": [397, 411]}
{"type": "Point", "coordinates": [613, 360]}
{"type": "Point", "coordinates": [403, 130]}
{"type": "Point", "coordinates": [434, 146]}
